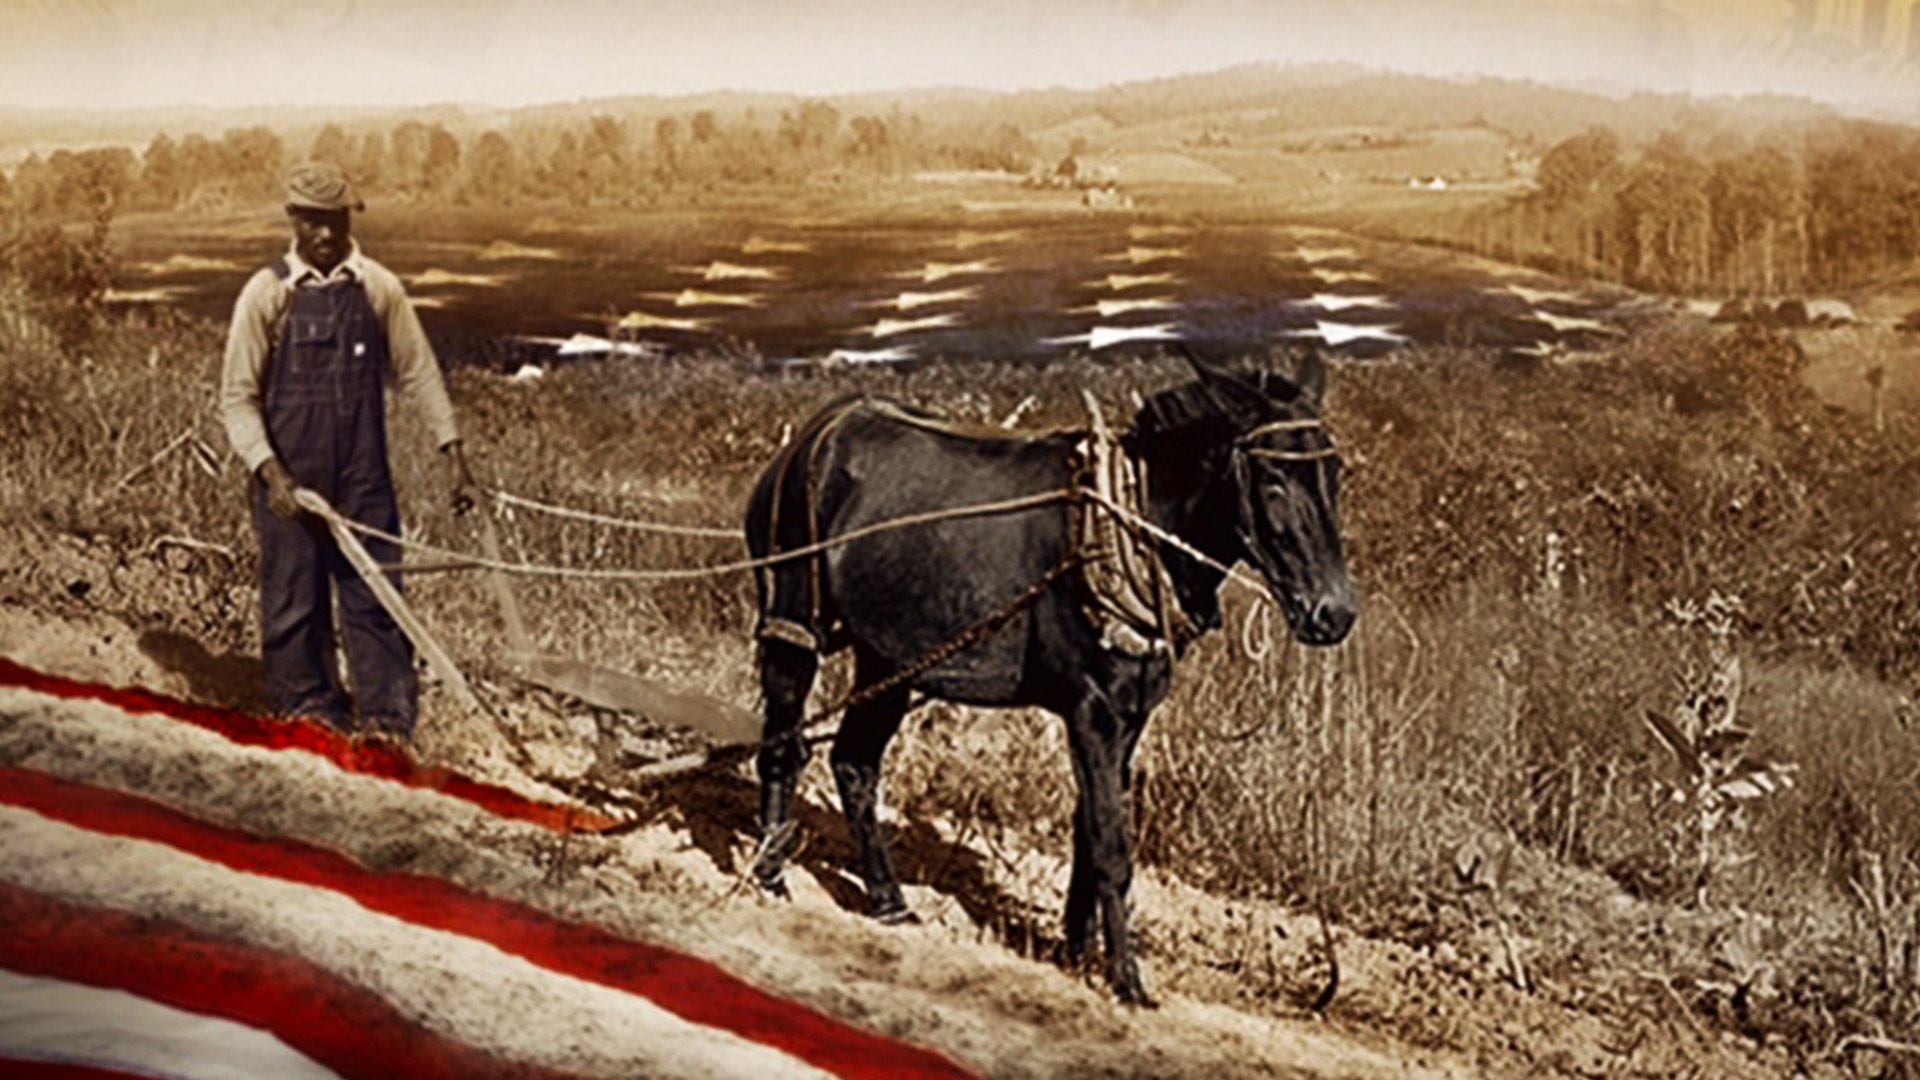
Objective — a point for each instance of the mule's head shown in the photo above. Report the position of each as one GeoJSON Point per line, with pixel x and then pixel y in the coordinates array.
{"type": "Point", "coordinates": [1285, 477]}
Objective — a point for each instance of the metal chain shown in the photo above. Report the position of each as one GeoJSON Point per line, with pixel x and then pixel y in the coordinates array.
{"type": "Point", "coordinates": [940, 654]}
{"type": "Point", "coordinates": [966, 639]}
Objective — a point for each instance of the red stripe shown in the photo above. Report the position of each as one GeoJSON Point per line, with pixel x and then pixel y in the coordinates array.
{"type": "Point", "coordinates": [16, 1069]}
{"type": "Point", "coordinates": [691, 988]}
{"type": "Point", "coordinates": [370, 759]}
{"type": "Point", "coordinates": [337, 1023]}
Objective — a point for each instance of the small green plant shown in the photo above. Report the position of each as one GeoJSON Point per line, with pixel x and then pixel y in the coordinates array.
{"type": "Point", "coordinates": [1718, 775]}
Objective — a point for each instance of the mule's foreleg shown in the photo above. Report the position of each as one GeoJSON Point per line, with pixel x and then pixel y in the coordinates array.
{"type": "Point", "coordinates": [1103, 859]}
{"type": "Point", "coordinates": [786, 677]}
{"type": "Point", "coordinates": [864, 734]}
{"type": "Point", "coordinates": [1082, 914]}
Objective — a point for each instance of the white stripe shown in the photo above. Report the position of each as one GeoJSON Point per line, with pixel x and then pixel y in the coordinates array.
{"type": "Point", "coordinates": [1335, 277]}
{"type": "Point", "coordinates": [51, 1020]}
{"type": "Point", "coordinates": [893, 327]}
{"type": "Point", "coordinates": [907, 301]}
{"type": "Point", "coordinates": [1123, 282]}
{"type": "Point", "coordinates": [1334, 302]}
{"type": "Point", "coordinates": [1314, 255]}
{"type": "Point", "coordinates": [1101, 337]}
{"type": "Point", "coordinates": [726, 271]}
{"type": "Point", "coordinates": [1138, 255]}
{"type": "Point", "coordinates": [1108, 309]}
{"type": "Point", "coordinates": [940, 271]}
{"type": "Point", "coordinates": [871, 356]}
{"type": "Point", "coordinates": [99, 743]}
{"type": "Point", "coordinates": [1334, 333]}
{"type": "Point", "coordinates": [1564, 323]}
{"type": "Point", "coordinates": [1537, 296]}
{"type": "Point", "coordinates": [469, 990]}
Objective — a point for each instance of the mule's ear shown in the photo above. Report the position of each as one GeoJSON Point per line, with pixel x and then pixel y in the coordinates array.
{"type": "Point", "coordinates": [1201, 366]}
{"type": "Point", "coordinates": [1312, 379]}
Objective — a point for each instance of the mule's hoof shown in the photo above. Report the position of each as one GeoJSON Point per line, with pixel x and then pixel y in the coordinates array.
{"type": "Point", "coordinates": [774, 887]}
{"type": "Point", "coordinates": [895, 914]}
{"type": "Point", "coordinates": [1128, 987]}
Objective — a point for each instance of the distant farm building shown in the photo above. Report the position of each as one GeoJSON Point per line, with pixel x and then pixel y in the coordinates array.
{"type": "Point", "coordinates": [1791, 313]}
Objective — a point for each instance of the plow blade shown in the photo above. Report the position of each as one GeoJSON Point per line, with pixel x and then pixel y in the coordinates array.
{"type": "Point", "coordinates": [722, 723]}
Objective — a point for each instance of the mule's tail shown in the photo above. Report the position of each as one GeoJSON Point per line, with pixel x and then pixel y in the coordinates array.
{"type": "Point", "coordinates": [785, 516]}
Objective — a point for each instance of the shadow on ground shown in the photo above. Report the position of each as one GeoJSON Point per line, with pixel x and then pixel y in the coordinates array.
{"type": "Point", "coordinates": [721, 813]}
{"type": "Point", "coordinates": [233, 680]}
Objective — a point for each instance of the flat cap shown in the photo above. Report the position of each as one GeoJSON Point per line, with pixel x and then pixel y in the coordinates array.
{"type": "Point", "coordinates": [320, 185]}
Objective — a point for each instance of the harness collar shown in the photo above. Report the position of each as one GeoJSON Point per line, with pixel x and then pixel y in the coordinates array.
{"type": "Point", "coordinates": [1126, 588]}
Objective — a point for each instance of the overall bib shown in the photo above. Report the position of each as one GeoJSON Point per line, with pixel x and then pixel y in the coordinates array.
{"type": "Point", "coordinates": [326, 418]}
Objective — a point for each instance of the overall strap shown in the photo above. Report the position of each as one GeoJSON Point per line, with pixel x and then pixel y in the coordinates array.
{"type": "Point", "coordinates": [283, 299]}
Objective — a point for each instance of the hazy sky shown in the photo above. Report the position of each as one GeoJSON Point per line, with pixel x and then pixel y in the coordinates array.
{"type": "Point", "coordinates": [511, 52]}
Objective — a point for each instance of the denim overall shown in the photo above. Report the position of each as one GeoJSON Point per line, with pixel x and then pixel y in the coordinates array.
{"type": "Point", "coordinates": [326, 419]}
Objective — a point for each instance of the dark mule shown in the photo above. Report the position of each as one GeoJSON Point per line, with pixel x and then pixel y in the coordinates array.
{"type": "Point", "coordinates": [1239, 468]}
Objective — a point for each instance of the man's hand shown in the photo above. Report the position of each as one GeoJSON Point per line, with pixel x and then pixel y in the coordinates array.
{"type": "Point", "coordinates": [466, 493]}
{"type": "Point", "coordinates": [281, 487]}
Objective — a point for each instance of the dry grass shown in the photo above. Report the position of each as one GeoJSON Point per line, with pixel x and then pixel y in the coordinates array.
{"type": "Point", "coordinates": [1477, 709]}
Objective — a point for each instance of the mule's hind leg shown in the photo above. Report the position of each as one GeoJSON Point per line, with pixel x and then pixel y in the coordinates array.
{"type": "Point", "coordinates": [864, 734]}
{"type": "Point", "coordinates": [786, 677]}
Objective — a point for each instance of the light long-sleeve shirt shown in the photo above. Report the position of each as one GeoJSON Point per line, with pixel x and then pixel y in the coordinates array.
{"type": "Point", "coordinates": [257, 318]}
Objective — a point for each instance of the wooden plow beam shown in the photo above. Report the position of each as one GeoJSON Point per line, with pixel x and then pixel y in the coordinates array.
{"type": "Point", "coordinates": [724, 724]}
{"type": "Point", "coordinates": [390, 598]}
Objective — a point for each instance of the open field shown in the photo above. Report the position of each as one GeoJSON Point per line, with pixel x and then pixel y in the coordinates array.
{"type": "Point", "coordinates": [1468, 789]}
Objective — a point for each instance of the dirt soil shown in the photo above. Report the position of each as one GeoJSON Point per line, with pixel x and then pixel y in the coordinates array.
{"type": "Point", "coordinates": [1448, 990]}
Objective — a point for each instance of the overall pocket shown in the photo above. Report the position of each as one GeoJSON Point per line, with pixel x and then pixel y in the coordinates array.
{"type": "Point", "coordinates": [311, 344]}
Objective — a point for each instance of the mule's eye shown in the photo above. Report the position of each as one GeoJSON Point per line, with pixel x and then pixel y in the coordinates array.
{"type": "Point", "coordinates": [1276, 495]}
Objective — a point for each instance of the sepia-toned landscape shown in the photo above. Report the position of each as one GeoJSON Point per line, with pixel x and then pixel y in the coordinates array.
{"type": "Point", "coordinates": [1615, 774]}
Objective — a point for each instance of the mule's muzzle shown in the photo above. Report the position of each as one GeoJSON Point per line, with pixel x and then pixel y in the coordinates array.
{"type": "Point", "coordinates": [1328, 620]}
{"type": "Point", "coordinates": [1326, 616]}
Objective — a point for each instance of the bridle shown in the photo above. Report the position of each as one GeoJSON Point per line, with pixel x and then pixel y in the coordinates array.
{"type": "Point", "coordinates": [1247, 447]}
{"type": "Point", "coordinates": [1245, 444]}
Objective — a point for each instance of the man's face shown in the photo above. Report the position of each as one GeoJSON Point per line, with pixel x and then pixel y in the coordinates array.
{"type": "Point", "coordinates": [320, 236]}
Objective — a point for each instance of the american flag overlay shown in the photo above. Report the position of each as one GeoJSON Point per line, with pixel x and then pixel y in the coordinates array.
{"type": "Point", "coordinates": [1047, 289]}
{"type": "Point", "coordinates": [159, 923]}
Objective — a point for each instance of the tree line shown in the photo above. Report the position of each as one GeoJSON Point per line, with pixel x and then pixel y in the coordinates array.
{"type": "Point", "coordinates": [1719, 203]}
{"type": "Point", "coordinates": [56, 210]}
{"type": "Point", "coordinates": [1788, 211]}
{"type": "Point", "coordinates": [599, 160]}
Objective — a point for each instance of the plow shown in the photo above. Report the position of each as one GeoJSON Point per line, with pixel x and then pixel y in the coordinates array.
{"type": "Point", "coordinates": [729, 730]}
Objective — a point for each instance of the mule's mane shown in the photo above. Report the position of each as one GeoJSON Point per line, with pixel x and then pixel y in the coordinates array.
{"type": "Point", "coordinates": [1177, 411]}
{"type": "Point", "coordinates": [1174, 410]}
